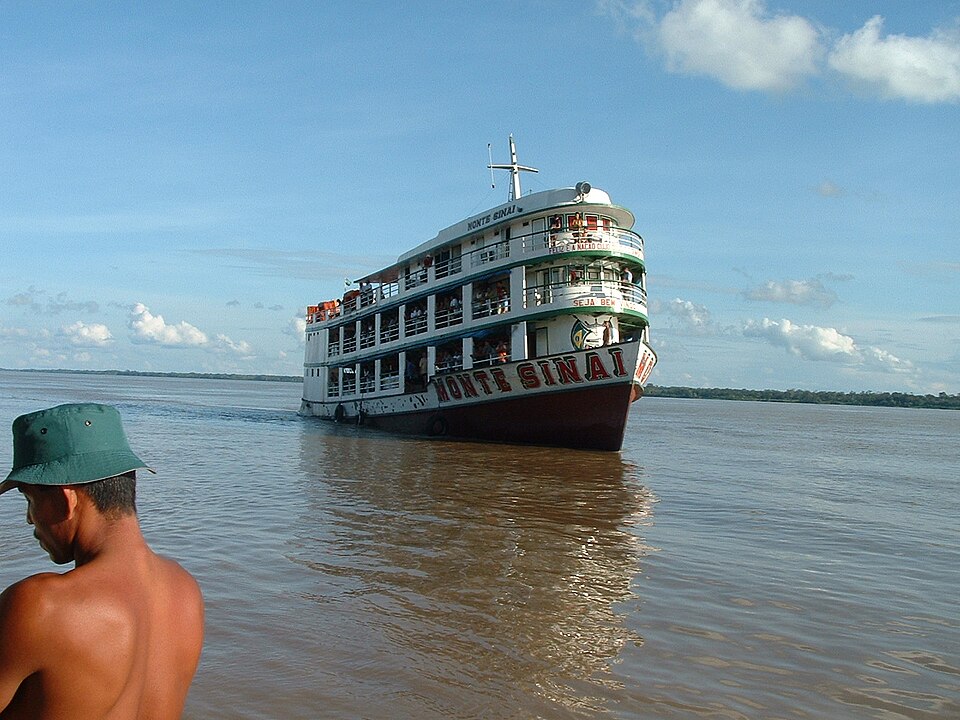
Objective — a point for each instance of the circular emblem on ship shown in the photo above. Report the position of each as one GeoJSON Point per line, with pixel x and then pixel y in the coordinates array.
{"type": "Point", "coordinates": [579, 334]}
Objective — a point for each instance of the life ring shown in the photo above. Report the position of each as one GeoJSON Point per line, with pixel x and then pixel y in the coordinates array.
{"type": "Point", "coordinates": [438, 425]}
{"type": "Point", "coordinates": [339, 414]}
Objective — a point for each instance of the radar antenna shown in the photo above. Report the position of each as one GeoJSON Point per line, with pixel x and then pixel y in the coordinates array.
{"type": "Point", "coordinates": [490, 157]}
{"type": "Point", "coordinates": [515, 168]}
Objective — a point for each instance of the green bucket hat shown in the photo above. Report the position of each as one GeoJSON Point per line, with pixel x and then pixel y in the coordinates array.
{"type": "Point", "coordinates": [69, 445]}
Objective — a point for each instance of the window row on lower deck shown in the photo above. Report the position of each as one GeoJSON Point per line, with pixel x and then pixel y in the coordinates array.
{"type": "Point", "coordinates": [418, 365]}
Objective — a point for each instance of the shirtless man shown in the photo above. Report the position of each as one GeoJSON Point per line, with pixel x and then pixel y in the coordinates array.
{"type": "Point", "coordinates": [119, 636]}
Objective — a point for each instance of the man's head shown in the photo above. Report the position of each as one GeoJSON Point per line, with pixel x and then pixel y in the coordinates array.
{"type": "Point", "coordinates": [69, 445]}
{"type": "Point", "coordinates": [68, 458]}
{"type": "Point", "coordinates": [57, 511]}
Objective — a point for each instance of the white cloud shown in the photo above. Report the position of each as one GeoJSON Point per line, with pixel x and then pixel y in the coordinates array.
{"type": "Point", "coordinates": [795, 292]}
{"type": "Point", "coordinates": [808, 341]}
{"type": "Point", "coordinates": [151, 328]}
{"type": "Point", "coordinates": [938, 319]}
{"type": "Point", "coordinates": [921, 69]}
{"type": "Point", "coordinates": [745, 46]}
{"type": "Point", "coordinates": [93, 335]}
{"type": "Point", "coordinates": [38, 301]}
{"type": "Point", "coordinates": [811, 342]}
{"type": "Point", "coordinates": [739, 43]}
{"type": "Point", "coordinates": [24, 299]}
{"type": "Point", "coordinates": [882, 360]}
{"type": "Point", "coordinates": [241, 347]}
{"type": "Point", "coordinates": [13, 332]}
{"type": "Point", "coordinates": [689, 315]}
{"type": "Point", "coordinates": [296, 328]}
{"type": "Point", "coordinates": [829, 189]}
{"type": "Point", "coordinates": [936, 269]}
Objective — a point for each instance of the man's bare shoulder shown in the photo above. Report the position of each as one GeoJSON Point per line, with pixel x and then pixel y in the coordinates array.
{"type": "Point", "coordinates": [30, 620]}
{"type": "Point", "coordinates": [40, 611]}
{"type": "Point", "coordinates": [180, 584]}
{"type": "Point", "coordinates": [34, 599]}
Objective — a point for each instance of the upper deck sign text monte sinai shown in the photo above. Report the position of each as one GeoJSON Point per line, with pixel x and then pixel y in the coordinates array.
{"type": "Point", "coordinates": [491, 217]}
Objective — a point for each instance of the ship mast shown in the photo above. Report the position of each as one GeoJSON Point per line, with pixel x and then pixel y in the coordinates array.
{"type": "Point", "coordinates": [514, 167]}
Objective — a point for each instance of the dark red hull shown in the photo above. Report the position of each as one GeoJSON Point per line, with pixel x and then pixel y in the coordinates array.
{"type": "Point", "coordinates": [592, 418]}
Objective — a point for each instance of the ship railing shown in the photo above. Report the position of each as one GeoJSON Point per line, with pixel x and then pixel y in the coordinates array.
{"type": "Point", "coordinates": [349, 384]}
{"type": "Point", "coordinates": [415, 326]}
{"type": "Point", "coordinates": [415, 279]}
{"type": "Point", "coordinates": [390, 289]}
{"type": "Point", "coordinates": [490, 254]}
{"type": "Point", "coordinates": [632, 292]}
{"type": "Point", "coordinates": [368, 384]}
{"type": "Point", "coordinates": [333, 390]}
{"type": "Point", "coordinates": [326, 310]}
{"type": "Point", "coordinates": [446, 318]}
{"type": "Point", "coordinates": [349, 345]}
{"type": "Point", "coordinates": [490, 306]}
{"type": "Point", "coordinates": [492, 360]}
{"type": "Point", "coordinates": [450, 266]}
{"type": "Point", "coordinates": [389, 334]}
{"type": "Point", "coordinates": [368, 339]}
{"type": "Point", "coordinates": [389, 381]}
{"type": "Point", "coordinates": [628, 239]}
{"type": "Point", "coordinates": [448, 366]}
{"type": "Point", "coordinates": [333, 349]}
{"type": "Point", "coordinates": [367, 297]}
{"type": "Point", "coordinates": [568, 291]}
{"type": "Point", "coordinates": [351, 302]}
{"type": "Point", "coordinates": [559, 240]}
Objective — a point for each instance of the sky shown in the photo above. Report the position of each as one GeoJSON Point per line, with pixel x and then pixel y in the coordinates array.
{"type": "Point", "coordinates": [178, 181]}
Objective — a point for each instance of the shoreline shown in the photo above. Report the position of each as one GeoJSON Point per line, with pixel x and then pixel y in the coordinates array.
{"type": "Point", "coordinates": [262, 377]}
{"type": "Point", "coordinates": [942, 401]}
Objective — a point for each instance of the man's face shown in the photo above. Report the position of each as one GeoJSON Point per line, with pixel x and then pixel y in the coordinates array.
{"type": "Point", "coordinates": [47, 512]}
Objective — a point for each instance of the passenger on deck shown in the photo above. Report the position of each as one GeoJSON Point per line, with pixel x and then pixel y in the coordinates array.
{"type": "Point", "coordinates": [556, 225]}
{"type": "Point", "coordinates": [503, 298]}
{"type": "Point", "coordinates": [410, 375]}
{"type": "Point", "coordinates": [423, 369]}
{"type": "Point", "coordinates": [576, 225]}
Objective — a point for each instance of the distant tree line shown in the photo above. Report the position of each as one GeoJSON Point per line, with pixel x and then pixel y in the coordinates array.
{"type": "Point", "coordinates": [822, 397]}
{"type": "Point", "coordinates": [881, 399]}
{"type": "Point", "coordinates": [189, 375]}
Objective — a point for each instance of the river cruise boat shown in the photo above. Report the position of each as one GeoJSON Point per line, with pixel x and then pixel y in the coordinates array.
{"type": "Point", "coordinates": [526, 323]}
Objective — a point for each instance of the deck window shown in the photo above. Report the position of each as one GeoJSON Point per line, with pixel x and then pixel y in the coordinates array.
{"type": "Point", "coordinates": [449, 357]}
{"type": "Point", "coordinates": [448, 262]}
{"type": "Point", "coordinates": [390, 373]}
{"type": "Point", "coordinates": [415, 320]}
{"type": "Point", "coordinates": [491, 351]}
{"type": "Point", "coordinates": [449, 310]}
{"type": "Point", "coordinates": [491, 298]}
{"type": "Point", "coordinates": [389, 326]}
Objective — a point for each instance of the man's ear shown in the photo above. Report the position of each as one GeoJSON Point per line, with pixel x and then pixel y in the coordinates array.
{"type": "Point", "coordinates": [70, 501]}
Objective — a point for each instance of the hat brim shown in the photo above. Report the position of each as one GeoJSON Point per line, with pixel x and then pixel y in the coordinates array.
{"type": "Point", "coordinates": [75, 470]}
